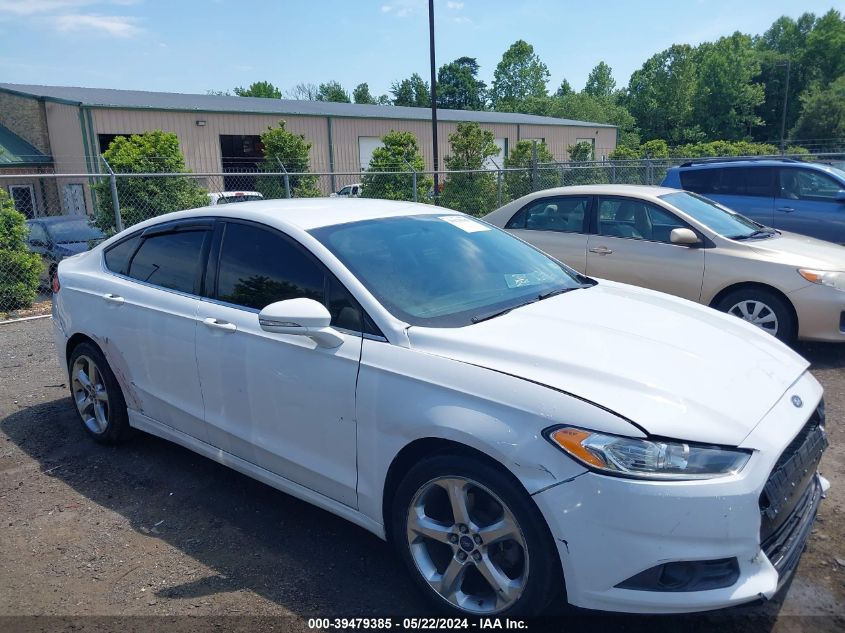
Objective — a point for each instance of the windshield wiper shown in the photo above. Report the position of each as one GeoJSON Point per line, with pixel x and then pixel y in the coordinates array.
{"type": "Point", "coordinates": [751, 236]}
{"type": "Point", "coordinates": [554, 293]}
{"type": "Point", "coordinates": [478, 318]}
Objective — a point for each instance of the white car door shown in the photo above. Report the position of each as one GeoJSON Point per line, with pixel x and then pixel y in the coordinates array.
{"type": "Point", "coordinates": [276, 400]}
{"type": "Point", "coordinates": [557, 226]}
{"type": "Point", "coordinates": [149, 323]}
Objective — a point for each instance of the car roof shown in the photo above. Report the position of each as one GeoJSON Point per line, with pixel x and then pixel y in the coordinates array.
{"type": "Point", "coordinates": [710, 163]}
{"type": "Point", "coordinates": [307, 213]}
{"type": "Point", "coordinates": [648, 191]}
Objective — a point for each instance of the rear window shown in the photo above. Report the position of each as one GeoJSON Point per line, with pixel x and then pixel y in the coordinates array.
{"type": "Point", "coordinates": [118, 256]}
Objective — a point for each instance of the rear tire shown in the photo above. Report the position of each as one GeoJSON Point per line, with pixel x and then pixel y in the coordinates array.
{"type": "Point", "coordinates": [97, 395]}
{"type": "Point", "coordinates": [762, 308]}
{"type": "Point", "coordinates": [473, 539]}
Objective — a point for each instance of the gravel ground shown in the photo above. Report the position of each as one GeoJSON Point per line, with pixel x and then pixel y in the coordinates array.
{"type": "Point", "coordinates": [151, 529]}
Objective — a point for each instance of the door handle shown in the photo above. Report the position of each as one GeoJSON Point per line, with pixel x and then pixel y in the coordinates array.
{"type": "Point", "coordinates": [601, 250]}
{"type": "Point", "coordinates": [786, 209]}
{"type": "Point", "coordinates": [112, 298]}
{"type": "Point", "coordinates": [220, 325]}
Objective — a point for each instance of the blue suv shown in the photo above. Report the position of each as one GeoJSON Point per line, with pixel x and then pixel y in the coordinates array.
{"type": "Point", "coordinates": [790, 195]}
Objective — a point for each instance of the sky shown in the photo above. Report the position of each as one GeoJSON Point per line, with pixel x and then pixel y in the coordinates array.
{"type": "Point", "coordinates": [199, 45]}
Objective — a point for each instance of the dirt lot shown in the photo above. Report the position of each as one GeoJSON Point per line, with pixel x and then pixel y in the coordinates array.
{"type": "Point", "coordinates": [151, 529]}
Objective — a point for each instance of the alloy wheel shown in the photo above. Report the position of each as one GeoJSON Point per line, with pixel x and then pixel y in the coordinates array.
{"type": "Point", "coordinates": [467, 545]}
{"type": "Point", "coordinates": [90, 394]}
{"type": "Point", "coordinates": [757, 313]}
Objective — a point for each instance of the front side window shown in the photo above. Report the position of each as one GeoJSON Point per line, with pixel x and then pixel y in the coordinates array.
{"type": "Point", "coordinates": [169, 260]}
{"type": "Point", "coordinates": [564, 214]}
{"type": "Point", "coordinates": [444, 271]}
{"type": "Point", "coordinates": [258, 267]}
{"type": "Point", "coordinates": [806, 184]}
{"type": "Point", "coordinates": [636, 219]}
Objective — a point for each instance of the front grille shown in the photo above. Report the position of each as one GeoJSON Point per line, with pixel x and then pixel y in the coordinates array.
{"type": "Point", "coordinates": [791, 495]}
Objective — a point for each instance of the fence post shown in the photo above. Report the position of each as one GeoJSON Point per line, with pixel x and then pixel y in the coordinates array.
{"type": "Point", "coordinates": [649, 171]}
{"type": "Point", "coordinates": [498, 188]}
{"type": "Point", "coordinates": [613, 173]}
{"type": "Point", "coordinates": [413, 178]}
{"type": "Point", "coordinates": [287, 178]}
{"type": "Point", "coordinates": [115, 203]}
{"type": "Point", "coordinates": [535, 176]}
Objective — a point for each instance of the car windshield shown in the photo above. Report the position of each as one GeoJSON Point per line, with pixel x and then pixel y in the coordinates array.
{"type": "Point", "coordinates": [835, 171]}
{"type": "Point", "coordinates": [445, 271]}
{"type": "Point", "coordinates": [73, 230]}
{"type": "Point", "coordinates": [717, 218]}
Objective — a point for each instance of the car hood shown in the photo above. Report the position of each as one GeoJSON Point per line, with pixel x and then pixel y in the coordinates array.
{"type": "Point", "coordinates": [800, 250]}
{"type": "Point", "coordinates": [670, 366]}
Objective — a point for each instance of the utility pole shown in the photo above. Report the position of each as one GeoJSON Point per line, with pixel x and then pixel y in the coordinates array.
{"type": "Point", "coordinates": [433, 99]}
{"type": "Point", "coordinates": [785, 104]}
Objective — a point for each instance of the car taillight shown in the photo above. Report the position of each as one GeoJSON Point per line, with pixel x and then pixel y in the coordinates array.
{"type": "Point", "coordinates": [54, 283]}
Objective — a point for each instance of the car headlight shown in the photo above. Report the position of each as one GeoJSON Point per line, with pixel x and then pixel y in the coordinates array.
{"type": "Point", "coordinates": [824, 278]}
{"type": "Point", "coordinates": [647, 459]}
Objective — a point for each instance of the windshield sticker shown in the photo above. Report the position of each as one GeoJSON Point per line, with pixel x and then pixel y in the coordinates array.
{"type": "Point", "coordinates": [521, 280]}
{"type": "Point", "coordinates": [465, 224]}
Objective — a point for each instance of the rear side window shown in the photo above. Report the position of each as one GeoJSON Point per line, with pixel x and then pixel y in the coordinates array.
{"type": "Point", "coordinates": [258, 267]}
{"type": "Point", "coordinates": [564, 214]}
{"type": "Point", "coordinates": [118, 256]}
{"type": "Point", "coordinates": [170, 260]}
{"type": "Point", "coordinates": [730, 181]}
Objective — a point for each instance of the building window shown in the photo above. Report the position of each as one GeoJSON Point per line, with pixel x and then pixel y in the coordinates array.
{"type": "Point", "coordinates": [241, 153]}
{"type": "Point", "coordinates": [24, 199]}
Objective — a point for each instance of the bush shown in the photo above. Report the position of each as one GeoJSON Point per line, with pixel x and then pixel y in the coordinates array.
{"type": "Point", "coordinates": [292, 151]}
{"type": "Point", "coordinates": [522, 182]}
{"type": "Point", "coordinates": [472, 192]}
{"type": "Point", "coordinates": [146, 196]}
{"type": "Point", "coordinates": [400, 153]}
{"type": "Point", "coordinates": [20, 270]}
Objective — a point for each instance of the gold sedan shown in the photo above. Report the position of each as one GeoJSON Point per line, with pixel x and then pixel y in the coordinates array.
{"type": "Point", "coordinates": [686, 245]}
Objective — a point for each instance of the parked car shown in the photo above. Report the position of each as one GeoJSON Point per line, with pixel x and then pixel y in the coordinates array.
{"type": "Point", "coordinates": [228, 197]}
{"type": "Point", "coordinates": [508, 423]}
{"type": "Point", "coordinates": [789, 195]}
{"type": "Point", "coordinates": [686, 245]}
{"type": "Point", "coordinates": [349, 191]}
{"type": "Point", "coordinates": [60, 236]}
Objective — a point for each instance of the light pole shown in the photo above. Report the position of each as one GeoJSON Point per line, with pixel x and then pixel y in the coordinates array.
{"type": "Point", "coordinates": [433, 98]}
{"type": "Point", "coordinates": [785, 104]}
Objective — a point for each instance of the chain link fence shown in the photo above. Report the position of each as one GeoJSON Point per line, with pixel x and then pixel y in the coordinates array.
{"type": "Point", "coordinates": [91, 206]}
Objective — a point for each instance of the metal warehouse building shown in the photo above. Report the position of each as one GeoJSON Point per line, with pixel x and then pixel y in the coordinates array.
{"type": "Point", "coordinates": [63, 130]}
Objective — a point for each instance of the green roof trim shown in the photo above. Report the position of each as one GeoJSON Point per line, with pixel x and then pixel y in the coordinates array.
{"type": "Point", "coordinates": [17, 152]}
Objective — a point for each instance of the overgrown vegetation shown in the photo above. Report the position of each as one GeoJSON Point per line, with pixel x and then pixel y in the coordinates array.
{"type": "Point", "coordinates": [472, 192]}
{"type": "Point", "coordinates": [400, 153]}
{"type": "Point", "coordinates": [20, 270]}
{"type": "Point", "coordinates": [288, 151]}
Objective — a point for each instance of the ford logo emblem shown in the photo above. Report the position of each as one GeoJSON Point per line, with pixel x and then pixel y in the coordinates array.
{"type": "Point", "coordinates": [797, 401]}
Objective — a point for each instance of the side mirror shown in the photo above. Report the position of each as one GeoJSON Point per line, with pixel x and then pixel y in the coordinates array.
{"type": "Point", "coordinates": [300, 317]}
{"type": "Point", "coordinates": [840, 196]}
{"type": "Point", "coordinates": [685, 237]}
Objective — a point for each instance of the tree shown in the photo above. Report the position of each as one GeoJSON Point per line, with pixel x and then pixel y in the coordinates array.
{"type": "Point", "coordinates": [218, 93]}
{"type": "Point", "coordinates": [473, 192]}
{"type": "Point", "coordinates": [519, 76]}
{"type": "Point", "coordinates": [564, 89]}
{"type": "Point", "coordinates": [146, 196]}
{"type": "Point", "coordinates": [384, 100]}
{"type": "Point", "coordinates": [726, 96]}
{"type": "Point", "coordinates": [660, 96]}
{"type": "Point", "coordinates": [303, 92]}
{"type": "Point", "coordinates": [361, 94]}
{"type": "Point", "coordinates": [332, 91]}
{"type": "Point", "coordinates": [260, 89]}
{"type": "Point", "coordinates": [600, 82]}
{"type": "Point", "coordinates": [292, 151]}
{"type": "Point", "coordinates": [458, 86]}
{"type": "Point", "coordinates": [400, 153]}
{"type": "Point", "coordinates": [414, 92]}
{"type": "Point", "coordinates": [583, 107]}
{"type": "Point", "coordinates": [529, 177]}
{"type": "Point", "coordinates": [825, 51]}
{"type": "Point", "coordinates": [823, 113]}
{"type": "Point", "coordinates": [19, 269]}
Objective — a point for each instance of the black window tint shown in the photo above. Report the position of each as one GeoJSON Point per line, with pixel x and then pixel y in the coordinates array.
{"type": "Point", "coordinates": [745, 181]}
{"type": "Point", "coordinates": [758, 181]}
{"type": "Point", "coordinates": [342, 306]}
{"type": "Point", "coordinates": [118, 256]}
{"type": "Point", "coordinates": [518, 220]}
{"type": "Point", "coordinates": [258, 267]}
{"type": "Point", "coordinates": [699, 180]}
{"type": "Point", "coordinates": [170, 260]}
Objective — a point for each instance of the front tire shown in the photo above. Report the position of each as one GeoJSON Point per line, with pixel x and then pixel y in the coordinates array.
{"type": "Point", "coordinates": [97, 395]}
{"type": "Point", "coordinates": [473, 540]}
{"type": "Point", "coordinates": [762, 308]}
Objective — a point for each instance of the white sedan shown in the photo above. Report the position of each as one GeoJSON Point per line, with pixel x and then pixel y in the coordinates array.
{"type": "Point", "coordinates": [512, 426]}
